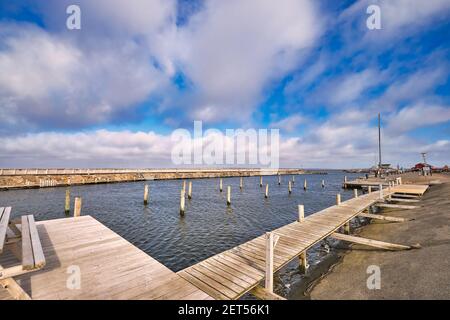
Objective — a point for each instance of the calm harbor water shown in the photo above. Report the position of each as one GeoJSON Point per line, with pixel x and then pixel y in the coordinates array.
{"type": "Point", "coordinates": [208, 227]}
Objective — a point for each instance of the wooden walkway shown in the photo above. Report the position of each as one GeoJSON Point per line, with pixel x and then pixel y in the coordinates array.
{"type": "Point", "coordinates": [232, 273]}
{"type": "Point", "coordinates": [110, 267]}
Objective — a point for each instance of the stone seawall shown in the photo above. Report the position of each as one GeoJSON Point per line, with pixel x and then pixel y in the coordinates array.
{"type": "Point", "coordinates": [31, 179]}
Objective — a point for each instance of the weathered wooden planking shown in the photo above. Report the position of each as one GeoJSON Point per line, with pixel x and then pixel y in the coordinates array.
{"type": "Point", "coordinates": [111, 267]}
{"type": "Point", "coordinates": [4, 221]}
{"type": "Point", "coordinates": [234, 272]}
{"type": "Point", "coordinates": [27, 248]}
{"type": "Point", "coordinates": [414, 189]}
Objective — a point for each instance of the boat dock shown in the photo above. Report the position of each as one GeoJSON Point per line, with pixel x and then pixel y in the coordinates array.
{"type": "Point", "coordinates": [232, 273]}
{"type": "Point", "coordinates": [86, 260]}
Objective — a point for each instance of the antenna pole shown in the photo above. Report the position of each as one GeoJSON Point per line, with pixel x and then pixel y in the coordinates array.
{"type": "Point", "coordinates": [379, 140]}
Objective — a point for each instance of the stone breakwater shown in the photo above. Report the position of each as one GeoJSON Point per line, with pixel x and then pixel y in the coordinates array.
{"type": "Point", "coordinates": [41, 178]}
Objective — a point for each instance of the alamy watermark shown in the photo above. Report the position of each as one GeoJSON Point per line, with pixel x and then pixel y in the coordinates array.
{"type": "Point", "coordinates": [73, 281]}
{"type": "Point", "coordinates": [73, 21]}
{"type": "Point", "coordinates": [374, 280]}
{"type": "Point", "coordinates": [243, 147]}
{"type": "Point", "coordinates": [373, 22]}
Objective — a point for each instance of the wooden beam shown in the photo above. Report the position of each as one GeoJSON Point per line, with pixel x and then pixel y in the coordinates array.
{"type": "Point", "coordinates": [408, 196]}
{"type": "Point", "coordinates": [382, 217]}
{"type": "Point", "coordinates": [394, 206]}
{"type": "Point", "coordinates": [14, 289]}
{"type": "Point", "coordinates": [403, 200]}
{"type": "Point", "coordinates": [372, 243]}
{"type": "Point", "coordinates": [263, 294]}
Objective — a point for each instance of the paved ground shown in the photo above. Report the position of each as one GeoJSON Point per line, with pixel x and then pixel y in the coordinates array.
{"type": "Point", "coordinates": [415, 274]}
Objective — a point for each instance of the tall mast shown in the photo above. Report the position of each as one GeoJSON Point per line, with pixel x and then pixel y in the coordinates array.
{"type": "Point", "coordinates": [379, 140]}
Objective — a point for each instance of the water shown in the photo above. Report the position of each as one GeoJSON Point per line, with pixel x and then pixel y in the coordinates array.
{"type": "Point", "coordinates": [208, 227]}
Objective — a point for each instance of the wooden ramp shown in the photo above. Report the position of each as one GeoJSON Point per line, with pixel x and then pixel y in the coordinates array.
{"type": "Point", "coordinates": [232, 273]}
{"type": "Point", "coordinates": [109, 266]}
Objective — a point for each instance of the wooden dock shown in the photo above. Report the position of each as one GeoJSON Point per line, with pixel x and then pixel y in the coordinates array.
{"type": "Point", "coordinates": [232, 273]}
{"type": "Point", "coordinates": [109, 266]}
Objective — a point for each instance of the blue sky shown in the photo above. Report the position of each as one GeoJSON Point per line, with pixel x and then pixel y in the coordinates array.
{"type": "Point", "coordinates": [111, 93]}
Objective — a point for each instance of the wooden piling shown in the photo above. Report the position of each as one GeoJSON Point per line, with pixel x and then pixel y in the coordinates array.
{"type": "Point", "coordinates": [267, 190]}
{"type": "Point", "coordinates": [279, 179]}
{"type": "Point", "coordinates": [301, 213]}
{"type": "Point", "coordinates": [241, 183]}
{"type": "Point", "coordinates": [369, 189]}
{"type": "Point", "coordinates": [293, 179]}
{"type": "Point", "coordinates": [182, 199]}
{"type": "Point", "coordinates": [303, 263]}
{"type": "Point", "coordinates": [347, 228]}
{"type": "Point", "coordinates": [355, 193]}
{"type": "Point", "coordinates": [269, 262]}
{"type": "Point", "coordinates": [345, 181]}
{"type": "Point", "coordinates": [305, 185]}
{"type": "Point", "coordinates": [260, 181]}
{"type": "Point", "coordinates": [289, 187]}
{"type": "Point", "coordinates": [380, 187]}
{"type": "Point", "coordinates": [146, 194]}
{"type": "Point", "coordinates": [338, 199]}
{"type": "Point", "coordinates": [220, 185]}
{"type": "Point", "coordinates": [184, 186]}
{"type": "Point", "coordinates": [67, 203]}
{"type": "Point", "coordinates": [190, 190]}
{"type": "Point", "coordinates": [323, 183]}
{"type": "Point", "coordinates": [77, 207]}
{"type": "Point", "coordinates": [229, 195]}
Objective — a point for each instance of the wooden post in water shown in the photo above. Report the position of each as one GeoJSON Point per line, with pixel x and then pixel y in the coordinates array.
{"type": "Point", "coordinates": [301, 213]}
{"type": "Point", "coordinates": [293, 179]}
{"type": "Point", "coordinates": [190, 190]}
{"type": "Point", "coordinates": [305, 184]}
{"type": "Point", "coordinates": [269, 262]}
{"type": "Point", "coordinates": [241, 183]}
{"type": "Point", "coordinates": [303, 263]}
{"type": "Point", "coordinates": [260, 181]}
{"type": "Point", "coordinates": [380, 187]}
{"type": "Point", "coordinates": [355, 193]}
{"type": "Point", "coordinates": [182, 199]}
{"type": "Point", "coordinates": [77, 207]}
{"type": "Point", "coordinates": [345, 181]}
{"type": "Point", "coordinates": [347, 228]}
{"type": "Point", "coordinates": [323, 183]}
{"type": "Point", "coordinates": [146, 194]}
{"type": "Point", "coordinates": [369, 189]}
{"type": "Point", "coordinates": [228, 195]}
{"type": "Point", "coordinates": [338, 199]}
{"type": "Point", "coordinates": [267, 190]}
{"type": "Point", "coordinates": [184, 186]}
{"type": "Point", "coordinates": [289, 187]}
{"type": "Point", "coordinates": [279, 179]}
{"type": "Point", "coordinates": [220, 185]}
{"type": "Point", "coordinates": [67, 203]}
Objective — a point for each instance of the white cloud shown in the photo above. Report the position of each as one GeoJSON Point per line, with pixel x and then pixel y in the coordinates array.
{"type": "Point", "coordinates": [417, 116]}
{"type": "Point", "coordinates": [233, 49]}
{"type": "Point", "coordinates": [288, 124]}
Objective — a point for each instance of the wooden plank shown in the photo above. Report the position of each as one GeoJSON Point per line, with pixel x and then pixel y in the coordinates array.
{"type": "Point", "coordinates": [203, 286]}
{"type": "Point", "coordinates": [230, 294]}
{"type": "Point", "coordinates": [403, 200]}
{"type": "Point", "coordinates": [4, 221]}
{"type": "Point", "coordinates": [27, 248]}
{"type": "Point", "coordinates": [263, 294]}
{"type": "Point", "coordinates": [14, 289]}
{"type": "Point", "coordinates": [370, 242]}
{"type": "Point", "coordinates": [382, 217]}
{"type": "Point", "coordinates": [395, 206]}
{"type": "Point", "coordinates": [38, 254]}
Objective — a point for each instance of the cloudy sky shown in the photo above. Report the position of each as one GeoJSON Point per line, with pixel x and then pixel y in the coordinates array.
{"type": "Point", "coordinates": [111, 94]}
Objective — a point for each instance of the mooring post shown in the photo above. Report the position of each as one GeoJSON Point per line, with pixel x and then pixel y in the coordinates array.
{"type": "Point", "coordinates": [293, 179]}
{"type": "Point", "coordinates": [355, 193]}
{"type": "Point", "coordinates": [301, 213]}
{"type": "Point", "coordinates": [241, 183]}
{"type": "Point", "coordinates": [380, 187]}
{"type": "Point", "coordinates": [77, 207]}
{"type": "Point", "coordinates": [269, 262]}
{"type": "Point", "coordinates": [184, 186]}
{"type": "Point", "coordinates": [279, 179]}
{"type": "Point", "coordinates": [146, 194]}
{"type": "Point", "coordinates": [323, 183]}
{"type": "Point", "coordinates": [338, 199]}
{"type": "Point", "coordinates": [305, 184]}
{"type": "Point", "coordinates": [260, 181]}
{"type": "Point", "coordinates": [220, 185]}
{"type": "Point", "coordinates": [345, 181]}
{"type": "Point", "coordinates": [303, 263]}
{"type": "Point", "coordinates": [190, 190]}
{"type": "Point", "coordinates": [289, 187]}
{"type": "Point", "coordinates": [182, 199]}
{"type": "Point", "coordinates": [67, 203]}
{"type": "Point", "coordinates": [229, 195]}
{"type": "Point", "coordinates": [347, 228]}
{"type": "Point", "coordinates": [267, 190]}
{"type": "Point", "coordinates": [369, 189]}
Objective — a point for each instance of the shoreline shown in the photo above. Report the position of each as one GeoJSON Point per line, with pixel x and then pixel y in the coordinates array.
{"type": "Point", "coordinates": [413, 274]}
